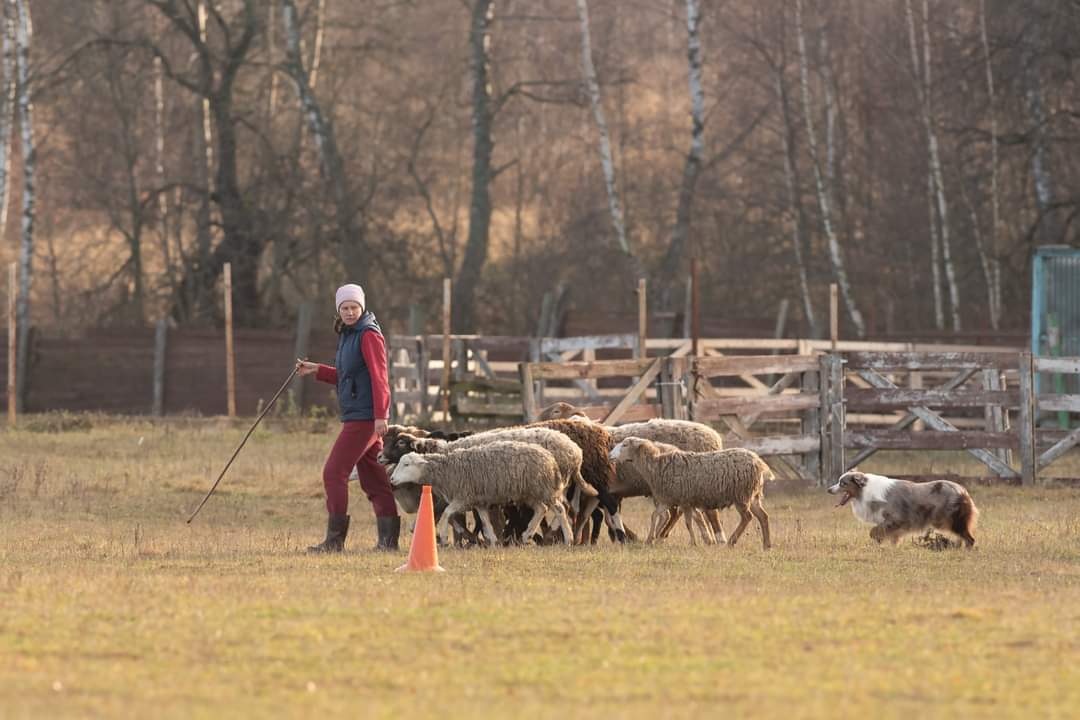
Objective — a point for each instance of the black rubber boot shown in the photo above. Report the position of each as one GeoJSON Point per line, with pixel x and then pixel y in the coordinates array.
{"type": "Point", "coordinates": [337, 527]}
{"type": "Point", "coordinates": [389, 529]}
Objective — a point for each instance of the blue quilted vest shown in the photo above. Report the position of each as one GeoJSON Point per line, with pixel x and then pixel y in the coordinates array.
{"type": "Point", "coordinates": [353, 376]}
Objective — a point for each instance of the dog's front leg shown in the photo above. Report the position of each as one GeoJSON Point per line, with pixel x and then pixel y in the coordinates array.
{"type": "Point", "coordinates": [877, 533]}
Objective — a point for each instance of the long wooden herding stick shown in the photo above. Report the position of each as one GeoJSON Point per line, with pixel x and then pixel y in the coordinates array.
{"type": "Point", "coordinates": [241, 445]}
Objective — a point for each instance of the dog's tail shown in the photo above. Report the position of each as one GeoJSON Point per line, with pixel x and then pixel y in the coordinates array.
{"type": "Point", "coordinates": [965, 518]}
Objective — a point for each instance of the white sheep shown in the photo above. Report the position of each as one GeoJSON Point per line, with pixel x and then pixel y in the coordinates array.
{"type": "Point", "coordinates": [566, 452]}
{"type": "Point", "coordinates": [495, 473]}
{"type": "Point", "coordinates": [706, 480]}
{"type": "Point", "coordinates": [684, 435]}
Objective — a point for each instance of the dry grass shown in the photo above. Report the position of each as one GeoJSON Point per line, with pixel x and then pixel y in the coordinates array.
{"type": "Point", "coordinates": [111, 605]}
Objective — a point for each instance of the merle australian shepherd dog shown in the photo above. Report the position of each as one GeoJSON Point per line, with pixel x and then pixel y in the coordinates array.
{"type": "Point", "coordinates": [898, 507]}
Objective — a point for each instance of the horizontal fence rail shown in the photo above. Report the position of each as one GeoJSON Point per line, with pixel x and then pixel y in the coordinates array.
{"type": "Point", "coordinates": [813, 413]}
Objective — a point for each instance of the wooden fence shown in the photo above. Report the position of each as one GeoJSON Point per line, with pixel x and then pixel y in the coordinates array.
{"type": "Point", "coordinates": [814, 413]}
{"type": "Point", "coordinates": [795, 409]}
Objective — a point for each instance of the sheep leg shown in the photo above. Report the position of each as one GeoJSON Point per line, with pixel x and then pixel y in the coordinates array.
{"type": "Point", "coordinates": [713, 516]}
{"type": "Point", "coordinates": [564, 521]}
{"type": "Point", "coordinates": [539, 510]}
{"type": "Point", "coordinates": [689, 516]}
{"type": "Point", "coordinates": [612, 517]}
{"type": "Point", "coordinates": [745, 518]}
{"type": "Point", "coordinates": [659, 517]}
{"type": "Point", "coordinates": [498, 522]}
{"type": "Point", "coordinates": [703, 528]}
{"type": "Point", "coordinates": [587, 506]}
{"type": "Point", "coordinates": [597, 519]}
{"type": "Point", "coordinates": [489, 529]}
{"type": "Point", "coordinates": [763, 520]}
{"type": "Point", "coordinates": [453, 507]}
{"type": "Point", "coordinates": [463, 537]}
{"type": "Point", "coordinates": [670, 522]}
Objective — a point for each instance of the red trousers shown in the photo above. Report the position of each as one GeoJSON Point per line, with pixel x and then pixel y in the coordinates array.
{"type": "Point", "coordinates": [357, 446]}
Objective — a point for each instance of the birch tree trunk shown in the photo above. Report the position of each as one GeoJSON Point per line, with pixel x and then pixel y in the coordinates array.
{"type": "Point", "coordinates": [316, 54]}
{"type": "Point", "coordinates": [200, 301]}
{"type": "Point", "coordinates": [939, 176]}
{"type": "Point", "coordinates": [23, 38]}
{"type": "Point", "coordinates": [159, 168]}
{"type": "Point", "coordinates": [593, 88]}
{"type": "Point", "coordinates": [980, 247]}
{"type": "Point", "coordinates": [7, 110]}
{"type": "Point", "coordinates": [673, 258]}
{"type": "Point", "coordinates": [937, 180]}
{"type": "Point", "coordinates": [476, 245]}
{"type": "Point", "coordinates": [350, 234]}
{"type": "Point", "coordinates": [1040, 169]}
{"type": "Point", "coordinates": [935, 252]}
{"type": "Point", "coordinates": [994, 261]}
{"type": "Point", "coordinates": [271, 54]}
{"type": "Point", "coordinates": [794, 191]}
{"type": "Point", "coordinates": [835, 251]}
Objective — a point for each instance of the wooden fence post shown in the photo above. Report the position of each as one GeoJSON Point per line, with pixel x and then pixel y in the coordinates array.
{"type": "Point", "coordinates": [993, 414]}
{"type": "Point", "coordinates": [832, 417]}
{"type": "Point", "coordinates": [695, 322]}
{"type": "Point", "coordinates": [161, 333]}
{"type": "Point", "coordinates": [301, 347]}
{"type": "Point", "coordinates": [422, 375]}
{"type": "Point", "coordinates": [811, 425]}
{"type": "Point", "coordinates": [230, 359]}
{"type": "Point", "coordinates": [528, 397]}
{"type": "Point", "coordinates": [667, 390]}
{"type": "Point", "coordinates": [834, 316]}
{"type": "Point", "coordinates": [1026, 419]}
{"type": "Point", "coordinates": [12, 381]}
{"type": "Point", "coordinates": [680, 377]}
{"type": "Point", "coordinates": [445, 389]}
{"type": "Point", "coordinates": [535, 355]}
{"type": "Point", "coordinates": [642, 318]}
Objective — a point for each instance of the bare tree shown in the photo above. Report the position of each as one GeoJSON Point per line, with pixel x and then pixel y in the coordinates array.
{"type": "Point", "coordinates": [351, 239]}
{"type": "Point", "coordinates": [673, 258]}
{"type": "Point", "coordinates": [824, 205]}
{"type": "Point", "coordinates": [936, 180]}
{"type": "Point", "coordinates": [1041, 172]}
{"type": "Point", "coordinates": [593, 89]}
{"type": "Point", "coordinates": [483, 119]}
{"type": "Point", "coordinates": [993, 263]}
{"type": "Point", "coordinates": [213, 81]}
{"type": "Point", "coordinates": [7, 109]}
{"type": "Point", "coordinates": [23, 38]}
{"type": "Point", "coordinates": [793, 185]}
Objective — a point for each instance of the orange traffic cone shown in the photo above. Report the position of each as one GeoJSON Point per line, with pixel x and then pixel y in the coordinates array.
{"type": "Point", "coordinates": [423, 551]}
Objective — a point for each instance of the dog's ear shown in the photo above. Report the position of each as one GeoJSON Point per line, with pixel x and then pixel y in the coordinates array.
{"type": "Point", "coordinates": [858, 478]}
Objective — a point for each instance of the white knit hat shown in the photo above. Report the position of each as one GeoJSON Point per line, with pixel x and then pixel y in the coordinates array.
{"type": "Point", "coordinates": [350, 292]}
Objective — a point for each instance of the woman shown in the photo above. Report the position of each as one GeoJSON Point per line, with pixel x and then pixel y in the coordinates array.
{"type": "Point", "coordinates": [363, 390]}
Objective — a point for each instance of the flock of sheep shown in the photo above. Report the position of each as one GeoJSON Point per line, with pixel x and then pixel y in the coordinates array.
{"type": "Point", "coordinates": [576, 471]}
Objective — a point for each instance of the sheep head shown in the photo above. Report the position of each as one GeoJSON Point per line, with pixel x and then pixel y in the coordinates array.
{"type": "Point", "coordinates": [398, 447]}
{"type": "Point", "coordinates": [410, 470]}
{"type": "Point", "coordinates": [632, 449]}
{"type": "Point", "coordinates": [560, 411]}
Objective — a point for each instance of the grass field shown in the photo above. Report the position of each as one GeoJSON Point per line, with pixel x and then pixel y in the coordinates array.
{"type": "Point", "coordinates": [110, 605]}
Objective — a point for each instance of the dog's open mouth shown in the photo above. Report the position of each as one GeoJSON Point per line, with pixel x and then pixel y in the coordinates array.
{"type": "Point", "coordinates": [844, 500]}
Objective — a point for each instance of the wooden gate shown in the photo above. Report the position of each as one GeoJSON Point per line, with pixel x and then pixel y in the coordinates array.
{"type": "Point", "coordinates": [1059, 440]}
{"type": "Point", "coordinates": [744, 400]}
{"type": "Point", "coordinates": [872, 383]}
